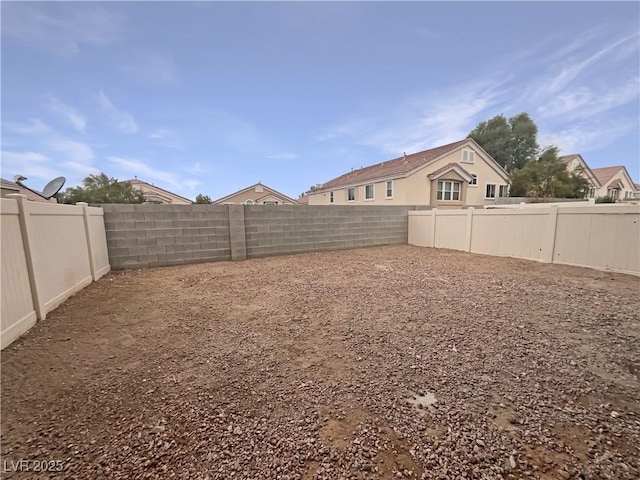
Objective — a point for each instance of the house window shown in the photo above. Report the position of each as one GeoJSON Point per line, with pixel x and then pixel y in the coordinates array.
{"type": "Point", "coordinates": [390, 189]}
{"type": "Point", "coordinates": [248, 202]}
{"type": "Point", "coordinates": [368, 192]}
{"type": "Point", "coordinates": [468, 156]}
{"type": "Point", "coordinates": [504, 191]}
{"type": "Point", "coordinates": [330, 197]}
{"type": "Point", "coordinates": [491, 191]}
{"type": "Point", "coordinates": [351, 194]}
{"type": "Point", "coordinates": [592, 192]}
{"type": "Point", "coordinates": [448, 190]}
{"type": "Point", "coordinates": [474, 180]}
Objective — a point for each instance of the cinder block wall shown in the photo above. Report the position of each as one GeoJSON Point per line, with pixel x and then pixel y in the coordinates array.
{"type": "Point", "coordinates": [159, 235]}
{"type": "Point", "coordinates": [298, 228]}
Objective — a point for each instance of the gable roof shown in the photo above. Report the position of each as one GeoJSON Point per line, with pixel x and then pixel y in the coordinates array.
{"type": "Point", "coordinates": [136, 181]}
{"type": "Point", "coordinates": [271, 190]}
{"type": "Point", "coordinates": [604, 174]}
{"type": "Point", "coordinates": [404, 165]}
{"type": "Point", "coordinates": [451, 167]}
{"type": "Point", "coordinates": [566, 159]}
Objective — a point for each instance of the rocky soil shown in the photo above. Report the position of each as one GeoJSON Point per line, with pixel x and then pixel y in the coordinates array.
{"type": "Point", "coordinates": [394, 362]}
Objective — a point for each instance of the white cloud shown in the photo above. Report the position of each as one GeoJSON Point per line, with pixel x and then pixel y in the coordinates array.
{"type": "Point", "coordinates": [584, 136]}
{"type": "Point", "coordinates": [35, 126]}
{"type": "Point", "coordinates": [282, 156]}
{"type": "Point", "coordinates": [58, 28]}
{"type": "Point", "coordinates": [123, 121]}
{"type": "Point", "coordinates": [23, 157]}
{"type": "Point", "coordinates": [571, 71]}
{"type": "Point", "coordinates": [73, 151]}
{"type": "Point", "coordinates": [584, 102]}
{"type": "Point", "coordinates": [32, 165]}
{"type": "Point", "coordinates": [144, 171]}
{"type": "Point", "coordinates": [423, 122]}
{"type": "Point", "coordinates": [70, 114]}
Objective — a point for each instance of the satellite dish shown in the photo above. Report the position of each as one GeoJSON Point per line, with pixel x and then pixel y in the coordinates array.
{"type": "Point", "coordinates": [53, 187]}
{"type": "Point", "coordinates": [49, 190]}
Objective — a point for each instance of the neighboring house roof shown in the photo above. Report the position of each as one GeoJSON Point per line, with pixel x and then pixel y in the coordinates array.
{"type": "Point", "coordinates": [402, 166]}
{"type": "Point", "coordinates": [448, 168]}
{"type": "Point", "coordinates": [140, 183]}
{"type": "Point", "coordinates": [606, 173]}
{"type": "Point", "coordinates": [11, 187]}
{"type": "Point", "coordinates": [267, 190]}
{"type": "Point", "coordinates": [616, 184]}
{"type": "Point", "coordinates": [637, 185]}
{"type": "Point", "coordinates": [303, 200]}
{"type": "Point", "coordinates": [567, 159]}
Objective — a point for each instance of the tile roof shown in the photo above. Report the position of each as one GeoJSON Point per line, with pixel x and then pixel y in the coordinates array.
{"type": "Point", "coordinates": [136, 181]}
{"type": "Point", "coordinates": [567, 158]}
{"type": "Point", "coordinates": [396, 167]}
{"type": "Point", "coordinates": [604, 174]}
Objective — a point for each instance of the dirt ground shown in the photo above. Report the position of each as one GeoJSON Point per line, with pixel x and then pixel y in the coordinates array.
{"type": "Point", "coordinates": [392, 362]}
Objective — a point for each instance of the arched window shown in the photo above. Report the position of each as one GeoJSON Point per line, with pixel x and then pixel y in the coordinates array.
{"type": "Point", "coordinates": [248, 202]}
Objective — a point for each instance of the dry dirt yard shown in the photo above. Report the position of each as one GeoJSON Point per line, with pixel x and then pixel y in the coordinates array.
{"type": "Point", "coordinates": [393, 362]}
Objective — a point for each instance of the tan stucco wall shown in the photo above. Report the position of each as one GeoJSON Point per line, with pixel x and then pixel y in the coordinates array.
{"type": "Point", "coordinates": [416, 189]}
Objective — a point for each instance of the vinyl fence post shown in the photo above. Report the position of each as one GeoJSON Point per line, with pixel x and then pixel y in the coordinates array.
{"type": "Point", "coordinates": [469, 227]}
{"type": "Point", "coordinates": [87, 234]}
{"type": "Point", "coordinates": [550, 234]}
{"type": "Point", "coordinates": [25, 228]}
{"type": "Point", "coordinates": [434, 215]}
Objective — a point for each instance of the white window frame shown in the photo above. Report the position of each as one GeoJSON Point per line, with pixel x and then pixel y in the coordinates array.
{"type": "Point", "coordinates": [388, 187]}
{"type": "Point", "coordinates": [486, 187]}
{"type": "Point", "coordinates": [503, 188]}
{"type": "Point", "coordinates": [373, 192]}
{"type": "Point", "coordinates": [474, 176]}
{"type": "Point", "coordinates": [355, 194]}
{"type": "Point", "coordinates": [249, 202]}
{"type": "Point", "coordinates": [330, 197]}
{"type": "Point", "coordinates": [469, 154]}
{"type": "Point", "coordinates": [442, 192]}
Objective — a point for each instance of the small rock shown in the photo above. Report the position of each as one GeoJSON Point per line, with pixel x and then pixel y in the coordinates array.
{"type": "Point", "coordinates": [614, 414]}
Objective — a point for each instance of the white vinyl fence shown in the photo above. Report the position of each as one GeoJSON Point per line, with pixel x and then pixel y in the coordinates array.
{"type": "Point", "coordinates": [48, 253]}
{"type": "Point", "coordinates": [604, 236]}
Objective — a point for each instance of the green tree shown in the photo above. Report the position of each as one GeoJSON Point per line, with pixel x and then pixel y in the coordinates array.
{"type": "Point", "coordinates": [202, 199]}
{"type": "Point", "coordinates": [102, 189]}
{"type": "Point", "coordinates": [547, 177]}
{"type": "Point", "coordinates": [511, 143]}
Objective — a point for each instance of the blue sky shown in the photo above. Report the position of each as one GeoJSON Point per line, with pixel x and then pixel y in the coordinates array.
{"type": "Point", "coordinates": [213, 97]}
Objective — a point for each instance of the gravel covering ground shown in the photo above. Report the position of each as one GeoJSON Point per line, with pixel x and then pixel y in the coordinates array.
{"type": "Point", "coordinates": [392, 362]}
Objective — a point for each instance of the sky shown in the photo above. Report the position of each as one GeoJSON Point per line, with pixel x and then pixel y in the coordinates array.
{"type": "Point", "coordinates": [212, 97]}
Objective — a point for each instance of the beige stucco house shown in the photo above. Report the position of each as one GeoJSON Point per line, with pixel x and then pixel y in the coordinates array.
{"type": "Point", "coordinates": [615, 182]}
{"type": "Point", "coordinates": [257, 194]}
{"type": "Point", "coordinates": [450, 176]}
{"type": "Point", "coordinates": [156, 194]}
{"type": "Point", "coordinates": [576, 164]}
